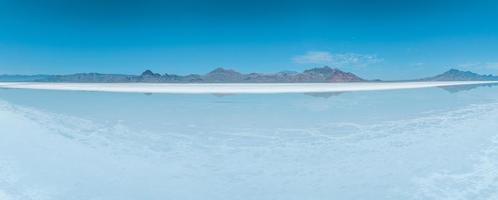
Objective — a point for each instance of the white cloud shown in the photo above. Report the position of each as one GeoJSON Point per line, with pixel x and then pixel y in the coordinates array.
{"type": "Point", "coordinates": [336, 60]}
{"type": "Point", "coordinates": [313, 57]}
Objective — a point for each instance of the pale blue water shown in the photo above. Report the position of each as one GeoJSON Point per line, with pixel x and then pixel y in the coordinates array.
{"type": "Point", "coordinates": [404, 144]}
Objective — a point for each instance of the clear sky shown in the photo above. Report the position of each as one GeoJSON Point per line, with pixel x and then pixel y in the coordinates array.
{"type": "Point", "coordinates": [388, 39]}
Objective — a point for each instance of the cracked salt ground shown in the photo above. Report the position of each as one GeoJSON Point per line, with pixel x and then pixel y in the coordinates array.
{"type": "Point", "coordinates": [447, 154]}
{"type": "Point", "coordinates": [480, 182]}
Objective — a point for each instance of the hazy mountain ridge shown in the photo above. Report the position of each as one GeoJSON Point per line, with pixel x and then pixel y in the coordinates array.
{"type": "Point", "coordinates": [222, 75]}
{"type": "Point", "coordinates": [457, 75]}
{"type": "Point", "coordinates": [218, 75]}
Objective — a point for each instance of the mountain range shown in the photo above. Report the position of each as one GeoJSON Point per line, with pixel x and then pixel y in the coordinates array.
{"type": "Point", "coordinates": [220, 75]}
{"type": "Point", "coordinates": [457, 75]}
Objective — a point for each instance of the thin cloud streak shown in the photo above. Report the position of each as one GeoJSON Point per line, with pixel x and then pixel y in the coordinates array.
{"type": "Point", "coordinates": [336, 60]}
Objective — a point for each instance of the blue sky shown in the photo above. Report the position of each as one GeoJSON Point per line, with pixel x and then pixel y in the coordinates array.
{"type": "Point", "coordinates": [385, 39]}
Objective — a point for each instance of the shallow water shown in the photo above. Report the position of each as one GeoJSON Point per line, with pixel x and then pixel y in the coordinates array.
{"type": "Point", "coordinates": [405, 144]}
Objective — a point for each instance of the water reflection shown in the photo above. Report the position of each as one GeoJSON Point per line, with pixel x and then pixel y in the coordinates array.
{"type": "Point", "coordinates": [462, 88]}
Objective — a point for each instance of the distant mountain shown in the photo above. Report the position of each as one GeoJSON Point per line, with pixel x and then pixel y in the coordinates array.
{"type": "Point", "coordinates": [457, 75]}
{"type": "Point", "coordinates": [218, 75]}
{"type": "Point", "coordinates": [222, 75]}
{"type": "Point", "coordinates": [327, 74]}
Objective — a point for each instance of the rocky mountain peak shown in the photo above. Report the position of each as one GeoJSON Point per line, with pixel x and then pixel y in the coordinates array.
{"type": "Point", "coordinates": [149, 73]}
{"type": "Point", "coordinates": [321, 70]}
{"type": "Point", "coordinates": [221, 70]}
{"type": "Point", "coordinates": [328, 74]}
{"type": "Point", "coordinates": [458, 75]}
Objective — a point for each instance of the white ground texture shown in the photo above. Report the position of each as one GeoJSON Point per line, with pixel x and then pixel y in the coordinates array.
{"type": "Point", "coordinates": [449, 155]}
{"type": "Point", "coordinates": [235, 88]}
